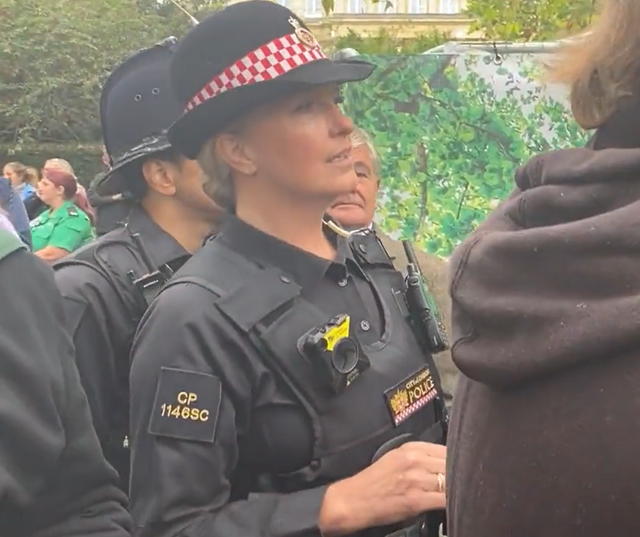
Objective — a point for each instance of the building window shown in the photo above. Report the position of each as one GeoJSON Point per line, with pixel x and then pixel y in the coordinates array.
{"type": "Point", "coordinates": [312, 8]}
{"type": "Point", "coordinates": [417, 6]}
{"type": "Point", "coordinates": [355, 6]}
{"type": "Point", "coordinates": [449, 6]}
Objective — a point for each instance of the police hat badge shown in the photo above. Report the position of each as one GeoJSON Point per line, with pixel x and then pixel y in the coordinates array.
{"type": "Point", "coordinates": [304, 35]}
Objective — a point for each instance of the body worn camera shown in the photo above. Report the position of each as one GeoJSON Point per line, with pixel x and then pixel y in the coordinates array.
{"type": "Point", "coordinates": [336, 356]}
{"type": "Point", "coordinates": [422, 307]}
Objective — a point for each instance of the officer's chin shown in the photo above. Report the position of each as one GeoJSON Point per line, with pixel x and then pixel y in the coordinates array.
{"type": "Point", "coordinates": [349, 216]}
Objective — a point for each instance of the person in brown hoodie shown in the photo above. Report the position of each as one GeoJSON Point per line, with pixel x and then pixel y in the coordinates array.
{"type": "Point", "coordinates": [546, 317]}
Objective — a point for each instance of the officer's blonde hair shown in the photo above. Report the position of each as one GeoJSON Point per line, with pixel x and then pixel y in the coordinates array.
{"type": "Point", "coordinates": [217, 179]}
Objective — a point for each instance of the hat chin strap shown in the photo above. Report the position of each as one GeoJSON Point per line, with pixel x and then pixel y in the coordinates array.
{"type": "Point", "coordinates": [336, 229]}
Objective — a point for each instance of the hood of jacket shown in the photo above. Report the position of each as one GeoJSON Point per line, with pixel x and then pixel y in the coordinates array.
{"type": "Point", "coordinates": [552, 277]}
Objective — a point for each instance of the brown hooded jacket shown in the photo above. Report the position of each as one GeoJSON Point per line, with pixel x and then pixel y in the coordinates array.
{"type": "Point", "coordinates": [545, 434]}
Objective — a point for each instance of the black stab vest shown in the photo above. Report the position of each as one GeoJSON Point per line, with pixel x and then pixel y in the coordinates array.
{"type": "Point", "coordinates": [350, 427]}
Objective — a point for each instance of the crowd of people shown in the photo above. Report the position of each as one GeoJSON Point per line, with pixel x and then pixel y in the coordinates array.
{"type": "Point", "coordinates": [48, 210]}
{"type": "Point", "coordinates": [244, 353]}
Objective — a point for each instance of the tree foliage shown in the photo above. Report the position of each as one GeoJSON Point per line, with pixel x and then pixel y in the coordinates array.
{"type": "Point", "coordinates": [530, 20]}
{"type": "Point", "coordinates": [450, 138]}
{"type": "Point", "coordinates": [56, 55]}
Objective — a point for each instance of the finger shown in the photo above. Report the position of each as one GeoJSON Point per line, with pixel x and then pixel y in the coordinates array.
{"type": "Point", "coordinates": [433, 450]}
{"type": "Point", "coordinates": [434, 501]}
{"type": "Point", "coordinates": [433, 482]}
{"type": "Point", "coordinates": [423, 462]}
{"type": "Point", "coordinates": [435, 466]}
{"type": "Point", "coordinates": [426, 481]}
{"type": "Point", "coordinates": [428, 501]}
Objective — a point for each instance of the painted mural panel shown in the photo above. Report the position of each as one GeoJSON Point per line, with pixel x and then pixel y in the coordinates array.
{"type": "Point", "coordinates": [451, 130]}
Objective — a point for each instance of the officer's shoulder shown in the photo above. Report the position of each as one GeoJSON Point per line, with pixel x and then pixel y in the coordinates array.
{"type": "Point", "coordinates": [85, 267]}
{"type": "Point", "coordinates": [113, 243]}
{"type": "Point", "coordinates": [77, 273]}
{"type": "Point", "coordinates": [189, 288]}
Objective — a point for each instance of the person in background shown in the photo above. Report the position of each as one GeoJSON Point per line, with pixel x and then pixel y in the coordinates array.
{"type": "Point", "coordinates": [81, 198]}
{"type": "Point", "coordinates": [15, 211]}
{"type": "Point", "coordinates": [63, 227]}
{"type": "Point", "coordinates": [23, 178]}
{"type": "Point", "coordinates": [6, 224]}
{"type": "Point", "coordinates": [54, 481]}
{"type": "Point", "coordinates": [107, 285]}
{"type": "Point", "coordinates": [546, 313]}
{"type": "Point", "coordinates": [355, 211]}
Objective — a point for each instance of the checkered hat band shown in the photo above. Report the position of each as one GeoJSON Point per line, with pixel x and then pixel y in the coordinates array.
{"type": "Point", "coordinates": [264, 63]}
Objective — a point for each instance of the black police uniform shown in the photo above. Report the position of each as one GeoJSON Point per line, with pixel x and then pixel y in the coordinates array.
{"type": "Point", "coordinates": [103, 302]}
{"type": "Point", "coordinates": [261, 374]}
{"type": "Point", "coordinates": [54, 480]}
{"type": "Point", "coordinates": [107, 285]}
{"type": "Point", "coordinates": [234, 431]}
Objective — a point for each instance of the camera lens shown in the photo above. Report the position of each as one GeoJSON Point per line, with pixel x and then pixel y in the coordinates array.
{"type": "Point", "coordinates": [345, 356]}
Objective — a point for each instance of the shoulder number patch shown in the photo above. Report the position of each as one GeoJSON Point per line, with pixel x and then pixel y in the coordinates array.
{"type": "Point", "coordinates": [410, 395]}
{"type": "Point", "coordinates": [186, 405]}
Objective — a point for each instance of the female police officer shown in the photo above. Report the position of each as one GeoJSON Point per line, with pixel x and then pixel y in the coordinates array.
{"type": "Point", "coordinates": [271, 380]}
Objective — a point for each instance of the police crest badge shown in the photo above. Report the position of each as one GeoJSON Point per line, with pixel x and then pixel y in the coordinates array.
{"type": "Point", "coordinates": [410, 395]}
{"type": "Point", "coordinates": [304, 35]}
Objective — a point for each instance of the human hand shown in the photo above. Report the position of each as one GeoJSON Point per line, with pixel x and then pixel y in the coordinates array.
{"type": "Point", "coordinates": [404, 483]}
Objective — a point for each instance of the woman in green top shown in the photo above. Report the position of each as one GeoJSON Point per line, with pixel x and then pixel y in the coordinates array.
{"type": "Point", "coordinates": [64, 227]}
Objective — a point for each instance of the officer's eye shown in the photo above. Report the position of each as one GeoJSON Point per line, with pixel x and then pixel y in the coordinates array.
{"type": "Point", "coordinates": [305, 106]}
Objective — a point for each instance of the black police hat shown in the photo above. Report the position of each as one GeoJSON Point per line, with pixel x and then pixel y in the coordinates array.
{"type": "Point", "coordinates": [248, 54]}
{"type": "Point", "coordinates": [137, 106]}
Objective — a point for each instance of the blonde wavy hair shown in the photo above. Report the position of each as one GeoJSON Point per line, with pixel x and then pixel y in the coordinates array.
{"type": "Point", "coordinates": [601, 66]}
{"type": "Point", "coordinates": [217, 178]}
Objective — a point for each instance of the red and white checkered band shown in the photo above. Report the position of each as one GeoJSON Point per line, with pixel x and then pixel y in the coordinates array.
{"type": "Point", "coordinates": [264, 63]}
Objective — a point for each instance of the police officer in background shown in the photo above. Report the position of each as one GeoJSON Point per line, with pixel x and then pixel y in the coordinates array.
{"type": "Point", "coordinates": [54, 480]}
{"type": "Point", "coordinates": [272, 379]}
{"type": "Point", "coordinates": [107, 285]}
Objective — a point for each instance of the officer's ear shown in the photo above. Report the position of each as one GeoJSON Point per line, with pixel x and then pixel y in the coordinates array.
{"type": "Point", "coordinates": [161, 176]}
{"type": "Point", "coordinates": [233, 146]}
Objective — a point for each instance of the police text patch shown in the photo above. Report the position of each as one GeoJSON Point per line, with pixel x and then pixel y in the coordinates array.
{"type": "Point", "coordinates": [410, 395]}
{"type": "Point", "coordinates": [186, 405]}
